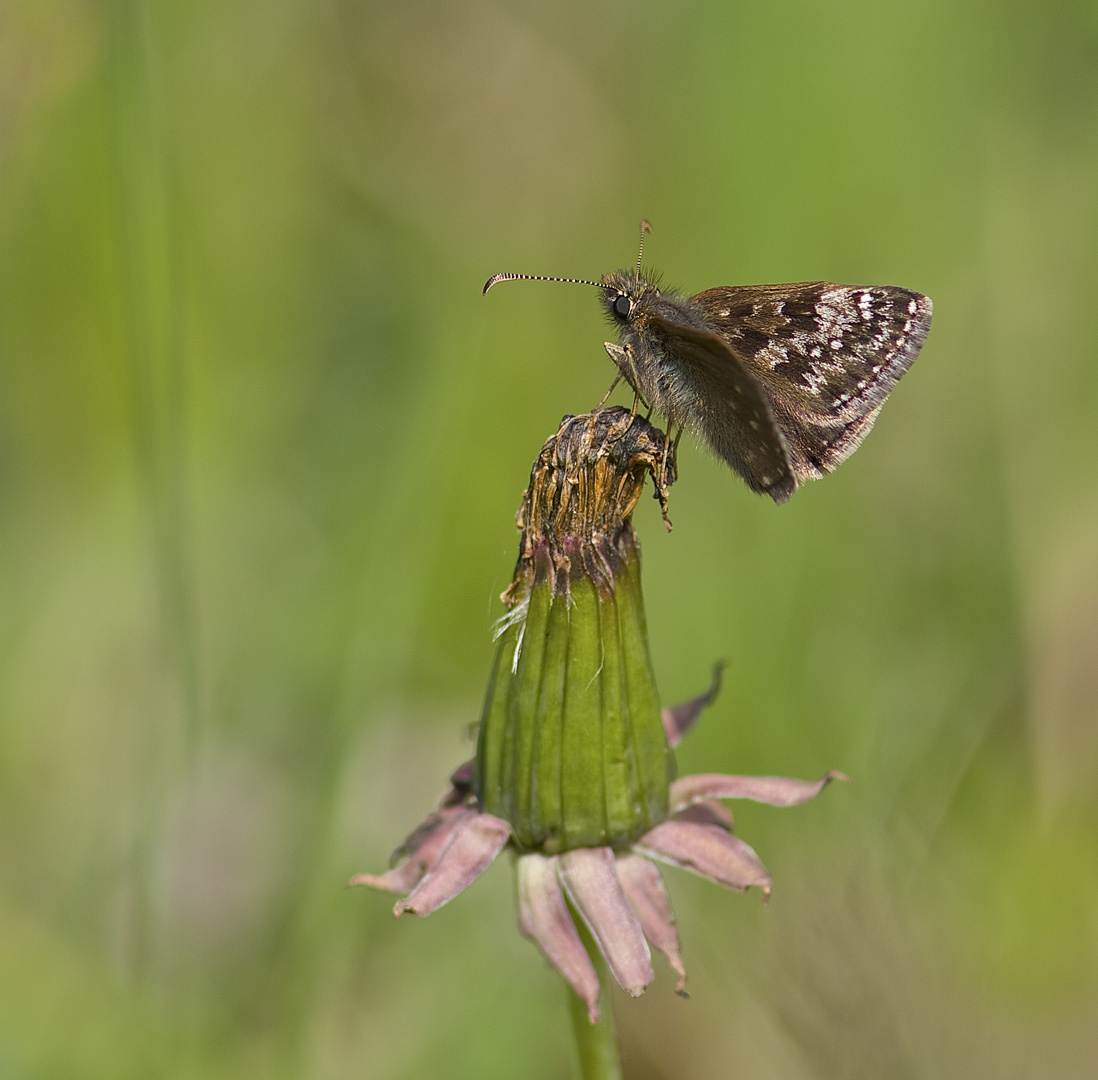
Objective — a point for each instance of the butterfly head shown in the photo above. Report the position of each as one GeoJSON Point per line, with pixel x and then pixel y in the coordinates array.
{"type": "Point", "coordinates": [625, 294]}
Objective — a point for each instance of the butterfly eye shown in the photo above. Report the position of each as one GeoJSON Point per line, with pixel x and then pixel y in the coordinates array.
{"type": "Point", "coordinates": [622, 306]}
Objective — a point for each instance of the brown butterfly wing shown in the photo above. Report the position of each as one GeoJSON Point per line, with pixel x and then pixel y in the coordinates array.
{"type": "Point", "coordinates": [729, 408]}
{"type": "Point", "coordinates": [825, 355]}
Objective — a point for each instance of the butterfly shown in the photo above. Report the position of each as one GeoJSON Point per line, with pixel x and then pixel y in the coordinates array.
{"type": "Point", "coordinates": [782, 382]}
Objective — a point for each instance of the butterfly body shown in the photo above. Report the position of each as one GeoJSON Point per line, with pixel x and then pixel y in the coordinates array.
{"type": "Point", "coordinates": [782, 381]}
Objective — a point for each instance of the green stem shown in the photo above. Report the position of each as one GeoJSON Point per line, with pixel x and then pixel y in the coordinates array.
{"type": "Point", "coordinates": [599, 1056]}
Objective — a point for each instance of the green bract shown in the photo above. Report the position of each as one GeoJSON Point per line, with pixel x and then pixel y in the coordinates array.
{"type": "Point", "coordinates": [572, 748]}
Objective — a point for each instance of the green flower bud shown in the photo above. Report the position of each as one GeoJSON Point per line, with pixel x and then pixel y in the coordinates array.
{"type": "Point", "coordinates": [572, 750]}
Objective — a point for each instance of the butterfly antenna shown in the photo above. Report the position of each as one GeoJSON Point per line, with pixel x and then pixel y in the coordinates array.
{"type": "Point", "coordinates": [496, 278]}
{"type": "Point", "coordinates": [645, 227]}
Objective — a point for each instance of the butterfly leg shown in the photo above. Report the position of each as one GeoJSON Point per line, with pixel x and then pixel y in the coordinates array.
{"type": "Point", "coordinates": [623, 359]}
{"type": "Point", "coordinates": [617, 380]}
{"type": "Point", "coordinates": [666, 448]}
{"type": "Point", "coordinates": [675, 447]}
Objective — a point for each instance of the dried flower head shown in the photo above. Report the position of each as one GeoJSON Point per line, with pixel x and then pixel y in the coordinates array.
{"type": "Point", "coordinates": [574, 768]}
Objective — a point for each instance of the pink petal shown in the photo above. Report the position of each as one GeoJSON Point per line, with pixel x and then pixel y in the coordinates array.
{"type": "Point", "coordinates": [472, 848]}
{"type": "Point", "coordinates": [462, 776]}
{"type": "Point", "coordinates": [775, 790]}
{"type": "Point", "coordinates": [461, 784]}
{"type": "Point", "coordinates": [644, 887]}
{"type": "Point", "coordinates": [679, 719]}
{"type": "Point", "coordinates": [544, 916]}
{"type": "Point", "coordinates": [707, 812]}
{"type": "Point", "coordinates": [426, 845]}
{"type": "Point", "coordinates": [445, 818]}
{"type": "Point", "coordinates": [588, 877]}
{"type": "Point", "coordinates": [707, 850]}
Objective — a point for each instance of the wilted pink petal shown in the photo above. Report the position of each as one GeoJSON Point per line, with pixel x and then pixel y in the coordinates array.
{"type": "Point", "coordinates": [775, 790]}
{"type": "Point", "coordinates": [461, 785]}
{"type": "Point", "coordinates": [544, 916]}
{"type": "Point", "coordinates": [588, 877]}
{"type": "Point", "coordinates": [444, 821]}
{"type": "Point", "coordinates": [462, 776]}
{"type": "Point", "coordinates": [679, 719]}
{"type": "Point", "coordinates": [707, 850]}
{"type": "Point", "coordinates": [644, 887]}
{"type": "Point", "coordinates": [423, 848]}
{"type": "Point", "coordinates": [707, 812]}
{"type": "Point", "coordinates": [473, 846]}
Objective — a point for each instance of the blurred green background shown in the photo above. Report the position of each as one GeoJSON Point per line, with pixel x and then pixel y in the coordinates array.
{"type": "Point", "coordinates": [261, 445]}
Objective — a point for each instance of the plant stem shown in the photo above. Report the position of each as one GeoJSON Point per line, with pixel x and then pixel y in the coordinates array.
{"type": "Point", "coordinates": [599, 1056]}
